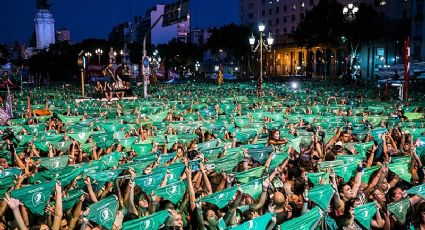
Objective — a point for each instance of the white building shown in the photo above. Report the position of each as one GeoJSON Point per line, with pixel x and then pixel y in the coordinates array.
{"type": "Point", "coordinates": [44, 28]}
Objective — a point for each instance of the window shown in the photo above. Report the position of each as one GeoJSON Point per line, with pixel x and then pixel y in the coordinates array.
{"type": "Point", "coordinates": [263, 2]}
{"type": "Point", "coordinates": [301, 16]}
{"type": "Point", "coordinates": [284, 8]}
{"type": "Point", "coordinates": [311, 2]}
{"type": "Point", "coordinates": [241, 8]}
{"type": "Point", "coordinates": [277, 10]}
{"type": "Point", "coordinates": [263, 12]}
{"type": "Point", "coordinates": [277, 21]}
{"type": "Point", "coordinates": [293, 29]}
{"type": "Point", "coordinates": [251, 6]}
{"type": "Point", "coordinates": [270, 11]}
{"type": "Point", "coordinates": [285, 19]}
{"type": "Point", "coordinates": [284, 30]}
{"type": "Point", "coordinates": [250, 15]}
{"type": "Point", "coordinates": [293, 18]}
{"type": "Point", "coordinates": [270, 22]}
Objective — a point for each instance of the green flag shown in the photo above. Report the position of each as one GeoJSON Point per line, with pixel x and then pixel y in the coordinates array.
{"type": "Point", "coordinates": [173, 192]}
{"type": "Point", "coordinates": [318, 178]}
{"type": "Point", "coordinates": [307, 221]}
{"type": "Point", "coordinates": [62, 145]}
{"type": "Point", "coordinates": [103, 212]}
{"type": "Point", "coordinates": [35, 197]}
{"type": "Point", "coordinates": [54, 162]}
{"type": "Point", "coordinates": [150, 182]}
{"type": "Point", "coordinates": [151, 222]}
{"type": "Point", "coordinates": [105, 176]}
{"type": "Point", "coordinates": [401, 169]}
{"type": "Point", "coordinates": [248, 175]}
{"type": "Point", "coordinates": [417, 190]}
{"type": "Point", "coordinates": [258, 223]}
{"type": "Point", "coordinates": [220, 198]}
{"type": "Point", "coordinates": [367, 172]}
{"type": "Point", "coordinates": [69, 119]}
{"type": "Point", "coordinates": [321, 195]}
{"type": "Point", "coordinates": [399, 209]}
{"type": "Point", "coordinates": [48, 175]}
{"type": "Point", "coordinates": [364, 214]}
{"type": "Point", "coordinates": [330, 164]}
{"type": "Point", "coordinates": [253, 188]}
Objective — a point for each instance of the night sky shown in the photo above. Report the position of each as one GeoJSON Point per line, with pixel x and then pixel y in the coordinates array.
{"type": "Point", "coordinates": [95, 18]}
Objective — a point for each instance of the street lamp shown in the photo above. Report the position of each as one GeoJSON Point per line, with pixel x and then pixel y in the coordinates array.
{"type": "Point", "coordinates": [350, 11]}
{"type": "Point", "coordinates": [262, 45]}
{"type": "Point", "coordinates": [88, 56]}
{"type": "Point", "coordinates": [98, 52]}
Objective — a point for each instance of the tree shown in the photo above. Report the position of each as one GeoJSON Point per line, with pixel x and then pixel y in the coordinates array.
{"type": "Point", "coordinates": [4, 55]}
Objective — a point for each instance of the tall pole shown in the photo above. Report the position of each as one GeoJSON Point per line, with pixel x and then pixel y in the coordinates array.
{"type": "Point", "coordinates": [406, 67]}
{"type": "Point", "coordinates": [82, 81]}
{"type": "Point", "coordinates": [260, 80]}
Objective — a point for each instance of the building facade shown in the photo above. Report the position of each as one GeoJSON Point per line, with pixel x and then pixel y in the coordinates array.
{"type": "Point", "coordinates": [282, 17]}
{"type": "Point", "coordinates": [63, 35]}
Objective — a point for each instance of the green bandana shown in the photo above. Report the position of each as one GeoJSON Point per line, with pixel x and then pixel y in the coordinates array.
{"type": "Point", "coordinates": [364, 214]}
{"type": "Point", "coordinates": [253, 188]}
{"type": "Point", "coordinates": [401, 169]}
{"type": "Point", "coordinates": [250, 174]}
{"type": "Point", "coordinates": [220, 198]}
{"type": "Point", "coordinates": [399, 209]}
{"type": "Point", "coordinates": [259, 223]}
{"type": "Point", "coordinates": [54, 162]}
{"type": "Point", "coordinates": [173, 192]}
{"type": "Point", "coordinates": [103, 212]}
{"type": "Point", "coordinates": [151, 222]}
{"type": "Point", "coordinates": [321, 195]}
{"type": "Point", "coordinates": [306, 221]}
{"type": "Point", "coordinates": [35, 197]}
{"type": "Point", "coordinates": [150, 182]}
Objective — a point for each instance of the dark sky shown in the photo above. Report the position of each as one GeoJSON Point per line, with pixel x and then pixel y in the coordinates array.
{"type": "Point", "coordinates": [95, 18]}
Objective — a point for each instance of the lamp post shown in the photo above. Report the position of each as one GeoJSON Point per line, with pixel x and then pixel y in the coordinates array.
{"type": "Point", "coordinates": [349, 11]}
{"type": "Point", "coordinates": [262, 45]}
{"type": "Point", "coordinates": [88, 56]}
{"type": "Point", "coordinates": [98, 52]}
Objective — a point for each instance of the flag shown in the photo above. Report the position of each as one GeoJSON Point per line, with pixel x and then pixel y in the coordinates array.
{"type": "Point", "coordinates": [9, 104]}
{"type": "Point", "coordinates": [417, 190]}
{"type": "Point", "coordinates": [295, 144]}
{"type": "Point", "coordinates": [399, 209]}
{"type": "Point", "coordinates": [47, 175]}
{"type": "Point", "coordinates": [81, 137]}
{"type": "Point", "coordinates": [362, 148]}
{"type": "Point", "coordinates": [173, 192]}
{"type": "Point", "coordinates": [103, 212]}
{"type": "Point", "coordinates": [330, 164]}
{"type": "Point", "coordinates": [54, 162]}
{"type": "Point", "coordinates": [150, 182]}
{"type": "Point", "coordinates": [258, 223]}
{"type": "Point", "coordinates": [253, 188]}
{"type": "Point", "coordinates": [401, 169]}
{"type": "Point", "coordinates": [105, 176]}
{"type": "Point", "coordinates": [248, 175]}
{"type": "Point", "coordinates": [321, 195]}
{"type": "Point", "coordinates": [364, 214]}
{"type": "Point", "coordinates": [221, 198]}
{"type": "Point", "coordinates": [318, 178]}
{"type": "Point", "coordinates": [35, 197]}
{"type": "Point", "coordinates": [367, 172]}
{"type": "Point", "coordinates": [306, 221]}
{"type": "Point", "coordinates": [151, 222]}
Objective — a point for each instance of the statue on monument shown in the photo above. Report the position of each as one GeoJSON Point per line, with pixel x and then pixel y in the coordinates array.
{"type": "Point", "coordinates": [43, 4]}
{"type": "Point", "coordinates": [112, 55]}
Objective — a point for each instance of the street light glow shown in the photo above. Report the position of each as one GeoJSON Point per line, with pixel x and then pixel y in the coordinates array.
{"type": "Point", "coordinates": [261, 27]}
{"type": "Point", "coordinates": [294, 85]}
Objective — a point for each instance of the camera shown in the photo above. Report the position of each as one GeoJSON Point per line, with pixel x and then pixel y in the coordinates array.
{"type": "Point", "coordinates": [321, 134]}
{"type": "Point", "coordinates": [8, 135]}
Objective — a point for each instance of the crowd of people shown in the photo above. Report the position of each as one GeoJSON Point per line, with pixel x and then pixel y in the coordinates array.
{"type": "Point", "coordinates": [214, 157]}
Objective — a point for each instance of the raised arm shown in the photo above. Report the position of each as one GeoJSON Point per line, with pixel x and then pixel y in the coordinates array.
{"type": "Point", "coordinates": [14, 205]}
{"type": "Point", "coordinates": [58, 206]}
